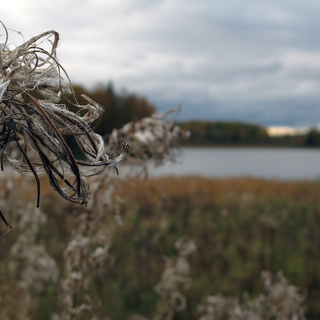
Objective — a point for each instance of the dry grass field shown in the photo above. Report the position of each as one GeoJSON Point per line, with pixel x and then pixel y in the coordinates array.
{"type": "Point", "coordinates": [177, 248]}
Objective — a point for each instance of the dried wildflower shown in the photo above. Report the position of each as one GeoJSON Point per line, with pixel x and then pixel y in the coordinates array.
{"type": "Point", "coordinates": [152, 138]}
{"type": "Point", "coordinates": [280, 300]}
{"type": "Point", "coordinates": [174, 276]}
{"type": "Point", "coordinates": [33, 125]}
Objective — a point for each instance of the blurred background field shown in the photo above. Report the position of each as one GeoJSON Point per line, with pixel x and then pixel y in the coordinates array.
{"type": "Point", "coordinates": [240, 228]}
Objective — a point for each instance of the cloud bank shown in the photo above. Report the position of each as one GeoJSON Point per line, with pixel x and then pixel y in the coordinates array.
{"type": "Point", "coordinates": [256, 61]}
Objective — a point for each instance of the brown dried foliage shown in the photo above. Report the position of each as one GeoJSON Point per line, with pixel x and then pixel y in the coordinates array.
{"type": "Point", "coordinates": [33, 130]}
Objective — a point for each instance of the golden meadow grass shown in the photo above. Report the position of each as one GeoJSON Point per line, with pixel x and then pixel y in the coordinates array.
{"type": "Point", "coordinates": [241, 228]}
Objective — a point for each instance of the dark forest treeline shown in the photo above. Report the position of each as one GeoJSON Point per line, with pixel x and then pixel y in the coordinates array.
{"type": "Point", "coordinates": [119, 108]}
{"type": "Point", "coordinates": [204, 132]}
{"type": "Point", "coordinates": [238, 133]}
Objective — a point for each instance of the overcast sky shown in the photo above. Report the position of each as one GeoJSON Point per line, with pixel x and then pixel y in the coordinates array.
{"type": "Point", "coordinates": [249, 60]}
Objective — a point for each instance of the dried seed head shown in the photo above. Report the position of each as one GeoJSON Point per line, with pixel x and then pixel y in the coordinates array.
{"type": "Point", "coordinates": [32, 130]}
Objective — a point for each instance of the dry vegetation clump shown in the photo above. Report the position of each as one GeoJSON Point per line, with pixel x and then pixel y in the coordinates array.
{"type": "Point", "coordinates": [174, 276]}
{"type": "Point", "coordinates": [278, 301]}
{"type": "Point", "coordinates": [34, 125]}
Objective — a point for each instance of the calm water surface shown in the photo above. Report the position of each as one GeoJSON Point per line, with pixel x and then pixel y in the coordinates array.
{"type": "Point", "coordinates": [268, 163]}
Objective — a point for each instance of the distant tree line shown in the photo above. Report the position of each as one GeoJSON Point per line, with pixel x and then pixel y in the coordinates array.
{"type": "Point", "coordinates": [234, 133]}
{"type": "Point", "coordinates": [119, 108]}
{"type": "Point", "coordinates": [238, 133]}
{"type": "Point", "coordinates": [313, 138]}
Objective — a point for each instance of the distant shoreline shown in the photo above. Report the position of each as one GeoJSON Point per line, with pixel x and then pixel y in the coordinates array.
{"type": "Point", "coordinates": [238, 134]}
{"type": "Point", "coordinates": [267, 146]}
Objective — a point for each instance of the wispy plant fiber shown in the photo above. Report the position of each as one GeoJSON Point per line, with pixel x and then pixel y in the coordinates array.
{"type": "Point", "coordinates": [33, 125]}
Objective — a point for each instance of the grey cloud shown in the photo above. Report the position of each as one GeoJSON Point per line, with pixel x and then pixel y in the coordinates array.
{"type": "Point", "coordinates": [221, 59]}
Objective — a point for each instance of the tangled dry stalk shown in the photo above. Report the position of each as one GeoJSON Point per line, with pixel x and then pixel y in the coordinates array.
{"type": "Point", "coordinates": [33, 125]}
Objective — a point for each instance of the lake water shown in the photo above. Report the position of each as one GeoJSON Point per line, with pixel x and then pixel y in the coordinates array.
{"type": "Point", "coordinates": [268, 163]}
